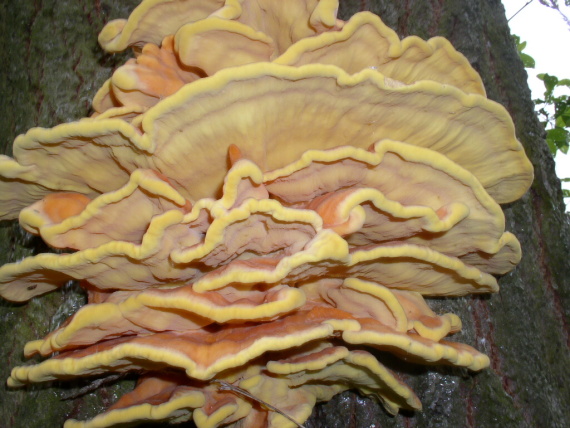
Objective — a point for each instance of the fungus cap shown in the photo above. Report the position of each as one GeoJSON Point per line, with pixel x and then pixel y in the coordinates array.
{"type": "Point", "coordinates": [281, 192]}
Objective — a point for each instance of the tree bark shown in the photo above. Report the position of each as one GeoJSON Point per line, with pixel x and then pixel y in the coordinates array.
{"type": "Point", "coordinates": [51, 68]}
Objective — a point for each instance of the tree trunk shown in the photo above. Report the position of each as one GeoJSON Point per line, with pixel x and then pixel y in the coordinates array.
{"type": "Point", "coordinates": [51, 68]}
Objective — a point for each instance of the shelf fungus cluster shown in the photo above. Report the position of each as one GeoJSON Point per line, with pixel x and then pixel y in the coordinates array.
{"type": "Point", "coordinates": [260, 201]}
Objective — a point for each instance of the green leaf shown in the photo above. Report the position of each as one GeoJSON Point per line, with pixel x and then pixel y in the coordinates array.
{"type": "Point", "coordinates": [564, 82]}
{"type": "Point", "coordinates": [557, 134]}
{"type": "Point", "coordinates": [527, 60]}
{"type": "Point", "coordinates": [549, 81]}
{"type": "Point", "coordinates": [566, 193]}
{"type": "Point", "coordinates": [557, 139]}
{"type": "Point", "coordinates": [565, 180]}
{"type": "Point", "coordinates": [564, 118]}
{"type": "Point", "coordinates": [552, 147]}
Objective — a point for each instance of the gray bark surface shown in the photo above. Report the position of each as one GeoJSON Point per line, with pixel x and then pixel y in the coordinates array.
{"type": "Point", "coordinates": [51, 68]}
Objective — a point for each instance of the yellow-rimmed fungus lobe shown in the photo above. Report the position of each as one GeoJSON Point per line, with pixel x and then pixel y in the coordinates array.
{"type": "Point", "coordinates": [264, 194]}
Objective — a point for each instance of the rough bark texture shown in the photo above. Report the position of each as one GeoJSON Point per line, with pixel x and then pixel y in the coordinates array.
{"type": "Point", "coordinates": [52, 66]}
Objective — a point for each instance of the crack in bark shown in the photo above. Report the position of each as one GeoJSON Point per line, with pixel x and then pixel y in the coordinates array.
{"type": "Point", "coordinates": [437, 6]}
{"type": "Point", "coordinates": [403, 21]}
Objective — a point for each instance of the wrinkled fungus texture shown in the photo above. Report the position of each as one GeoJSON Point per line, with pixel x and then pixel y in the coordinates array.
{"type": "Point", "coordinates": [262, 197]}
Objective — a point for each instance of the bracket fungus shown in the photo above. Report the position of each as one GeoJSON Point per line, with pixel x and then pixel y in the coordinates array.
{"type": "Point", "coordinates": [281, 191]}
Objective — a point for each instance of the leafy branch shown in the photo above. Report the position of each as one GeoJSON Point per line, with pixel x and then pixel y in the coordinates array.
{"type": "Point", "coordinates": [553, 110]}
{"type": "Point", "coordinates": [557, 124]}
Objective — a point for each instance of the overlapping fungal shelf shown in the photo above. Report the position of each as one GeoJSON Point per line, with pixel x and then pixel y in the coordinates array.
{"type": "Point", "coordinates": [263, 196]}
